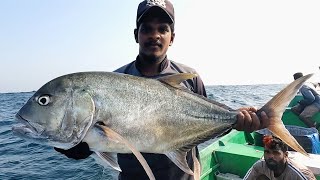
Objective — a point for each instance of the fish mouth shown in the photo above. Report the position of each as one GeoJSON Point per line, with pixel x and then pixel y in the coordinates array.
{"type": "Point", "coordinates": [26, 127]}
{"type": "Point", "coordinates": [36, 133]}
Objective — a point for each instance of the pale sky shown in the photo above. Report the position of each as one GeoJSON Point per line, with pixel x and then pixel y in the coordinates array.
{"type": "Point", "coordinates": [226, 41]}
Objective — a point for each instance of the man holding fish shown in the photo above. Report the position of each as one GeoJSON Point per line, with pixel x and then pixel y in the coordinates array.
{"type": "Point", "coordinates": [153, 111]}
{"type": "Point", "coordinates": [155, 33]}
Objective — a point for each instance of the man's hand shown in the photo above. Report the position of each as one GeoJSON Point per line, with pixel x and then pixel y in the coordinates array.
{"type": "Point", "coordinates": [80, 151]}
{"type": "Point", "coordinates": [248, 120]}
{"type": "Point", "coordinates": [297, 109]}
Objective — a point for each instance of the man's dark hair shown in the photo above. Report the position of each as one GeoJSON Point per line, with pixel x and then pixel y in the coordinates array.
{"type": "Point", "coordinates": [274, 143]}
{"type": "Point", "coordinates": [297, 75]}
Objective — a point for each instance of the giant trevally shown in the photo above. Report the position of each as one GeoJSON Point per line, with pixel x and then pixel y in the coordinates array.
{"type": "Point", "coordinates": [106, 109]}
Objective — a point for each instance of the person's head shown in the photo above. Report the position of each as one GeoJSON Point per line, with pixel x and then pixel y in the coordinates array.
{"type": "Point", "coordinates": [275, 152]}
{"type": "Point", "coordinates": [297, 75]}
{"type": "Point", "coordinates": [155, 28]}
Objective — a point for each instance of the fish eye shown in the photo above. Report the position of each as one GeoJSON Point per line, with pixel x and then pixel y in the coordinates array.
{"type": "Point", "coordinates": [44, 100]}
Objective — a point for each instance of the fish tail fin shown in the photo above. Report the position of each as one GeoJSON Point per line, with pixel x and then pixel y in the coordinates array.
{"type": "Point", "coordinates": [275, 108]}
{"type": "Point", "coordinates": [280, 131]}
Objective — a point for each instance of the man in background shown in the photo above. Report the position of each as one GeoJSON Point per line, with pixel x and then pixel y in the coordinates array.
{"type": "Point", "coordinates": [309, 105]}
{"type": "Point", "coordinates": [276, 164]}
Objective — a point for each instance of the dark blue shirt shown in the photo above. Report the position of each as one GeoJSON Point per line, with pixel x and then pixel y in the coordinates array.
{"type": "Point", "coordinates": [310, 95]}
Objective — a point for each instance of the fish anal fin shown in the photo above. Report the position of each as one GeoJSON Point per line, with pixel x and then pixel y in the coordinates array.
{"type": "Point", "coordinates": [175, 79]}
{"type": "Point", "coordinates": [280, 131]}
{"type": "Point", "coordinates": [118, 138]}
{"type": "Point", "coordinates": [178, 157]}
{"type": "Point", "coordinates": [196, 165]}
{"type": "Point", "coordinates": [109, 158]}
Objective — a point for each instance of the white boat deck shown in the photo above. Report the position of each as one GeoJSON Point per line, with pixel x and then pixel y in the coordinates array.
{"type": "Point", "coordinates": [312, 162]}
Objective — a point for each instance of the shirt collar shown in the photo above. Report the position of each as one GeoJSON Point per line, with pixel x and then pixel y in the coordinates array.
{"type": "Point", "coordinates": [164, 67]}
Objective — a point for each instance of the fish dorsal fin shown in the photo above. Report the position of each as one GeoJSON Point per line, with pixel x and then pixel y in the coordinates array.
{"type": "Point", "coordinates": [110, 159]}
{"type": "Point", "coordinates": [178, 157]}
{"type": "Point", "coordinates": [118, 138]}
{"type": "Point", "coordinates": [175, 79]}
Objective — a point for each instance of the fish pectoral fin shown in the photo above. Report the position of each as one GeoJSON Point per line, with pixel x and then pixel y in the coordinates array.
{"type": "Point", "coordinates": [178, 157]}
{"type": "Point", "coordinates": [175, 79]}
{"type": "Point", "coordinates": [117, 137]}
{"type": "Point", "coordinates": [279, 130]}
{"type": "Point", "coordinates": [109, 158]}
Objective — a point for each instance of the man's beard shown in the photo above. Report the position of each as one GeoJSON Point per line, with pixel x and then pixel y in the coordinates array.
{"type": "Point", "coordinates": [274, 165]}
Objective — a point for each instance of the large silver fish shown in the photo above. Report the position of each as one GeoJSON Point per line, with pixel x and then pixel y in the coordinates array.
{"type": "Point", "coordinates": [112, 111]}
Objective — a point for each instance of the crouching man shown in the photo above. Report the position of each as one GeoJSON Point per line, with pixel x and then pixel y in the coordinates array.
{"type": "Point", "coordinates": [276, 165]}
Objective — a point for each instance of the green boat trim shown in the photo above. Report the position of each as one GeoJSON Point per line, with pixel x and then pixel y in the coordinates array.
{"type": "Point", "coordinates": [289, 118]}
{"type": "Point", "coordinates": [231, 156]}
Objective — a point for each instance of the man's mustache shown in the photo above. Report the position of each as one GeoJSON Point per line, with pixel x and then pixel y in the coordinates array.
{"type": "Point", "coordinates": [153, 43]}
{"type": "Point", "coordinates": [271, 161]}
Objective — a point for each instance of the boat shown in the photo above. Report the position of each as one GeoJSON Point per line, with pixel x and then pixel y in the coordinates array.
{"type": "Point", "coordinates": [231, 156]}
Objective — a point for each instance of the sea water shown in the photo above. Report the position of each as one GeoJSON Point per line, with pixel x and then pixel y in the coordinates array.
{"type": "Point", "coordinates": [21, 159]}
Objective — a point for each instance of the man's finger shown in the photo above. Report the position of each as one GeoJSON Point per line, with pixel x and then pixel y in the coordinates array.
{"type": "Point", "coordinates": [264, 120]}
{"type": "Point", "coordinates": [247, 121]}
{"type": "Point", "coordinates": [255, 122]}
{"type": "Point", "coordinates": [239, 122]}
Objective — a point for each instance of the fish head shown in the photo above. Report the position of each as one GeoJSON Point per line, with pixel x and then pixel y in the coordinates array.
{"type": "Point", "coordinates": [59, 114]}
